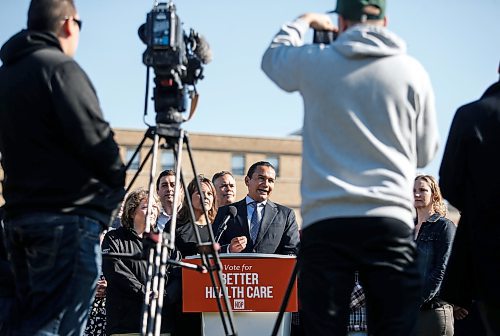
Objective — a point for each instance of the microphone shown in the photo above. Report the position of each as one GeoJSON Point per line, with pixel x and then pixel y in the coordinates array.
{"type": "Point", "coordinates": [202, 49]}
{"type": "Point", "coordinates": [232, 213]}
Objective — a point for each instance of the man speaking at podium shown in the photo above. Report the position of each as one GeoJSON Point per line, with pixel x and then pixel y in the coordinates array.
{"type": "Point", "coordinates": [260, 225]}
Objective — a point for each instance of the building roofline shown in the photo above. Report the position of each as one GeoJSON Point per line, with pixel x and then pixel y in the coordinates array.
{"type": "Point", "coordinates": [270, 137]}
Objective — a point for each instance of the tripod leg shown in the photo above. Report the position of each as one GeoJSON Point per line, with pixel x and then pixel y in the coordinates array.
{"type": "Point", "coordinates": [284, 303]}
{"type": "Point", "coordinates": [146, 310]}
{"type": "Point", "coordinates": [149, 133]}
{"type": "Point", "coordinates": [151, 308]}
{"type": "Point", "coordinates": [177, 149]}
{"type": "Point", "coordinates": [162, 254]}
{"type": "Point", "coordinates": [229, 318]}
{"type": "Point", "coordinates": [129, 163]}
{"type": "Point", "coordinates": [157, 257]}
{"type": "Point", "coordinates": [153, 264]}
{"type": "Point", "coordinates": [151, 187]}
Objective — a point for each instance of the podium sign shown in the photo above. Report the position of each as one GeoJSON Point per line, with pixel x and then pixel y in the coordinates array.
{"type": "Point", "coordinates": [256, 283]}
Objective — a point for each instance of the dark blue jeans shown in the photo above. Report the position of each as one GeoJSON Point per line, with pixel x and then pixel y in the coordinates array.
{"type": "Point", "coordinates": [383, 251]}
{"type": "Point", "coordinates": [5, 308]}
{"type": "Point", "coordinates": [56, 261]}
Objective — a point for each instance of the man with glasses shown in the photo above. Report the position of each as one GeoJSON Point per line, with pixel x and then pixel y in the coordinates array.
{"type": "Point", "coordinates": [63, 173]}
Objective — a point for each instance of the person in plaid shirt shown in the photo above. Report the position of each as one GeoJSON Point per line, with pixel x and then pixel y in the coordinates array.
{"type": "Point", "coordinates": [357, 316]}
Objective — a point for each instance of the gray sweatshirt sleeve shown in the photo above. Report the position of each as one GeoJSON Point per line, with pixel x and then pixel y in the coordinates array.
{"type": "Point", "coordinates": [427, 127]}
{"type": "Point", "coordinates": [281, 59]}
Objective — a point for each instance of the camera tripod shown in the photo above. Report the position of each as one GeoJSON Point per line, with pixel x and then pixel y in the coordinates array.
{"type": "Point", "coordinates": [158, 247]}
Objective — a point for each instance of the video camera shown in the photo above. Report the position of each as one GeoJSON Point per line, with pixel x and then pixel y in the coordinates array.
{"type": "Point", "coordinates": [176, 59]}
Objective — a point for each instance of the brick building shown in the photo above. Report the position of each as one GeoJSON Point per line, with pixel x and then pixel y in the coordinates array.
{"type": "Point", "coordinates": [213, 153]}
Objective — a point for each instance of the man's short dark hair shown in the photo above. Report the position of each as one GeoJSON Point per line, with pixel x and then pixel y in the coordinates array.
{"type": "Point", "coordinates": [46, 15]}
{"type": "Point", "coordinates": [253, 167]}
{"type": "Point", "coordinates": [220, 174]}
{"type": "Point", "coordinates": [168, 172]}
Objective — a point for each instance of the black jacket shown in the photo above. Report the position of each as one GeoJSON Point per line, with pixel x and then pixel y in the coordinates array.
{"type": "Point", "coordinates": [127, 279]}
{"type": "Point", "coordinates": [470, 180]}
{"type": "Point", "coordinates": [185, 238]}
{"type": "Point", "coordinates": [58, 153]}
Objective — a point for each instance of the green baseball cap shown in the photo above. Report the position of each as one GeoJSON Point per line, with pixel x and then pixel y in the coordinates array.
{"type": "Point", "coordinates": [355, 9]}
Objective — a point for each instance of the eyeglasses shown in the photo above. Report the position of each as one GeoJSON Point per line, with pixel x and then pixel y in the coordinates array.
{"type": "Point", "coordinates": [78, 22]}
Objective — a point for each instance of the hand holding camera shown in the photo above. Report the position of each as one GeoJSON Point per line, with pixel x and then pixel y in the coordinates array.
{"type": "Point", "coordinates": [324, 30]}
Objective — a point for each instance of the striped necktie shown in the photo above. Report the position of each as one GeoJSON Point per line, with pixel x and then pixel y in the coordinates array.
{"type": "Point", "coordinates": [254, 222]}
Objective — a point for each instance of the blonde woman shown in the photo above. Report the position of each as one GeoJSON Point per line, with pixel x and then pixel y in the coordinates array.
{"type": "Point", "coordinates": [127, 277]}
{"type": "Point", "coordinates": [434, 235]}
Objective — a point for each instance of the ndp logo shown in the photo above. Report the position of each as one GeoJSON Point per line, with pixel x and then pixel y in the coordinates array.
{"type": "Point", "coordinates": [238, 304]}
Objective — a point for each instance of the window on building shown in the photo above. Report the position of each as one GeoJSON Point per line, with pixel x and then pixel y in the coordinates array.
{"type": "Point", "coordinates": [167, 160]}
{"type": "Point", "coordinates": [135, 164]}
{"type": "Point", "coordinates": [238, 164]}
{"type": "Point", "coordinates": [275, 161]}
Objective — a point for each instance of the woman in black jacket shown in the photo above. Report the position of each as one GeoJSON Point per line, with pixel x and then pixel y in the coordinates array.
{"type": "Point", "coordinates": [189, 324]}
{"type": "Point", "coordinates": [127, 277]}
{"type": "Point", "coordinates": [185, 235]}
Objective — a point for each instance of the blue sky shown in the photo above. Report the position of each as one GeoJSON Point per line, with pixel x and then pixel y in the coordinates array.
{"type": "Point", "coordinates": [456, 41]}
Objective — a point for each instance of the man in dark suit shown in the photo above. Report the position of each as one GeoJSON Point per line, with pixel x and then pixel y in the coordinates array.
{"type": "Point", "coordinates": [469, 180]}
{"type": "Point", "coordinates": [260, 225]}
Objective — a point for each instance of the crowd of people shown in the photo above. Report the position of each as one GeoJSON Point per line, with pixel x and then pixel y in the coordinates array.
{"type": "Point", "coordinates": [374, 259]}
{"type": "Point", "coordinates": [124, 279]}
{"type": "Point", "coordinates": [121, 289]}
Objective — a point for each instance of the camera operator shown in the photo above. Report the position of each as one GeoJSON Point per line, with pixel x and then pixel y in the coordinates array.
{"type": "Point", "coordinates": [63, 172]}
{"type": "Point", "coordinates": [369, 122]}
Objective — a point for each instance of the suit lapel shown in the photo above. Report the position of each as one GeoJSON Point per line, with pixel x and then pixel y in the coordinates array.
{"type": "Point", "coordinates": [270, 212]}
{"type": "Point", "coordinates": [241, 217]}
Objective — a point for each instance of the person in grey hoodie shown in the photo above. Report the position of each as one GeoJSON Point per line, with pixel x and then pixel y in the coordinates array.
{"type": "Point", "coordinates": [369, 123]}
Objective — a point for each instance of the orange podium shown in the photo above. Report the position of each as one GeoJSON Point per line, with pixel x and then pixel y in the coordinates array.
{"type": "Point", "coordinates": [256, 284]}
